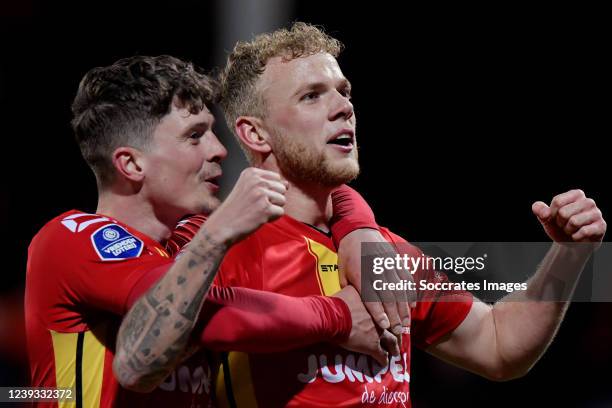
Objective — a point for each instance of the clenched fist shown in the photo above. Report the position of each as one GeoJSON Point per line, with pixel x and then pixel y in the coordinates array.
{"type": "Point", "coordinates": [258, 197]}
{"type": "Point", "coordinates": [571, 217]}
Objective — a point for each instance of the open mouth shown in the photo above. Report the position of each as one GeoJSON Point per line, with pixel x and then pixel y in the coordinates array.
{"type": "Point", "coordinates": [214, 180]}
{"type": "Point", "coordinates": [342, 140]}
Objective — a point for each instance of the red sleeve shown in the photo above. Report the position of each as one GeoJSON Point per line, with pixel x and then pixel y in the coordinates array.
{"type": "Point", "coordinates": [184, 233]}
{"type": "Point", "coordinates": [107, 285]}
{"type": "Point", "coordinates": [242, 319]}
{"type": "Point", "coordinates": [351, 212]}
{"type": "Point", "coordinates": [145, 283]}
{"type": "Point", "coordinates": [442, 312]}
{"type": "Point", "coordinates": [71, 279]}
{"type": "Point", "coordinates": [433, 319]}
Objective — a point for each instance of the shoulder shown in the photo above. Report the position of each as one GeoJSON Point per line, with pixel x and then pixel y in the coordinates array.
{"type": "Point", "coordinates": [80, 235]}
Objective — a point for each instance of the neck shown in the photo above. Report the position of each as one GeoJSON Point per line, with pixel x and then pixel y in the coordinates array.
{"type": "Point", "coordinates": [310, 204]}
{"type": "Point", "coordinates": [144, 219]}
{"type": "Point", "coordinates": [306, 202]}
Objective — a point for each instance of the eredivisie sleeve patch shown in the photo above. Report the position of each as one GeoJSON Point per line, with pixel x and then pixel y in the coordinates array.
{"type": "Point", "coordinates": [113, 243]}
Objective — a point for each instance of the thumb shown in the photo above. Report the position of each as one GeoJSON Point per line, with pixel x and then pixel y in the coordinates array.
{"type": "Point", "coordinates": [542, 211]}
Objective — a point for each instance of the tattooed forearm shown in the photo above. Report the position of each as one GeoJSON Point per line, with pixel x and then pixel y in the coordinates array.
{"type": "Point", "coordinates": [154, 334]}
{"type": "Point", "coordinates": [138, 319]}
{"type": "Point", "coordinates": [191, 309]}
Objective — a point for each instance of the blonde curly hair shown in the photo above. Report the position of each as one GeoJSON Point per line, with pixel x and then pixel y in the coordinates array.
{"type": "Point", "coordinates": [239, 94]}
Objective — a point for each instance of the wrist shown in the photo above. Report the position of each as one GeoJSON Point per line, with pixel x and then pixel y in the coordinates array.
{"type": "Point", "coordinates": [342, 324]}
{"type": "Point", "coordinates": [219, 231]}
{"type": "Point", "coordinates": [574, 251]}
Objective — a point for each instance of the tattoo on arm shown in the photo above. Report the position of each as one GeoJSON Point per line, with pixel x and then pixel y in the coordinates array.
{"type": "Point", "coordinates": [154, 335]}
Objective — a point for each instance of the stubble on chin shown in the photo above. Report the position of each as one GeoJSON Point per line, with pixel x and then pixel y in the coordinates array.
{"type": "Point", "coordinates": [300, 163]}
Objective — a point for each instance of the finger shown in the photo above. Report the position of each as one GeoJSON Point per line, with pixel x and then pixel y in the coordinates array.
{"type": "Point", "coordinates": [269, 175]}
{"type": "Point", "coordinates": [397, 276]}
{"type": "Point", "coordinates": [568, 211]}
{"type": "Point", "coordinates": [402, 296]}
{"type": "Point", "coordinates": [409, 294]}
{"type": "Point", "coordinates": [401, 305]}
{"type": "Point", "coordinates": [542, 211]}
{"type": "Point", "coordinates": [392, 314]}
{"type": "Point", "coordinates": [276, 198]}
{"type": "Point", "coordinates": [412, 298]}
{"type": "Point", "coordinates": [276, 186]}
{"type": "Point", "coordinates": [394, 318]}
{"type": "Point", "coordinates": [389, 343]}
{"type": "Point", "coordinates": [591, 232]}
{"type": "Point", "coordinates": [565, 199]}
{"type": "Point", "coordinates": [378, 314]}
{"type": "Point", "coordinates": [254, 172]}
{"type": "Point", "coordinates": [582, 219]}
{"type": "Point", "coordinates": [275, 212]}
{"type": "Point", "coordinates": [404, 312]}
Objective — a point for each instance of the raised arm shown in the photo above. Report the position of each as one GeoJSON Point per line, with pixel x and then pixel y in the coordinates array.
{"type": "Point", "coordinates": [504, 341]}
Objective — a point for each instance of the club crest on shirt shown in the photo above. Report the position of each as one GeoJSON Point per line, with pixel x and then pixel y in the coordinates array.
{"type": "Point", "coordinates": [113, 243]}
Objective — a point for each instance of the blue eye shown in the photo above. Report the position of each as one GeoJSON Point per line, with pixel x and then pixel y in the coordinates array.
{"type": "Point", "coordinates": [310, 96]}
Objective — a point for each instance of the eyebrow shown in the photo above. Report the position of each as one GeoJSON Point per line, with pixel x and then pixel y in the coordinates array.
{"type": "Point", "coordinates": [318, 85]}
{"type": "Point", "coordinates": [207, 123]}
{"type": "Point", "coordinates": [199, 125]}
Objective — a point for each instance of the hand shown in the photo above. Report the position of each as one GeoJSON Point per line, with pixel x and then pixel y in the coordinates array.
{"type": "Point", "coordinates": [365, 337]}
{"type": "Point", "coordinates": [258, 197]}
{"type": "Point", "coordinates": [388, 313]}
{"type": "Point", "coordinates": [571, 217]}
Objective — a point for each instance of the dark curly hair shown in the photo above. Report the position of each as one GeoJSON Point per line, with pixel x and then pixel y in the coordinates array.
{"type": "Point", "coordinates": [120, 105]}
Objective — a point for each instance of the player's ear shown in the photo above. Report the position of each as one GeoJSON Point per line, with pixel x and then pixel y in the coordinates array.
{"type": "Point", "coordinates": [252, 133]}
{"type": "Point", "coordinates": [129, 163]}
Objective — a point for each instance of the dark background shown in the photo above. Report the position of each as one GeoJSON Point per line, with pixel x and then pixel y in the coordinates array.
{"type": "Point", "coordinates": [466, 116]}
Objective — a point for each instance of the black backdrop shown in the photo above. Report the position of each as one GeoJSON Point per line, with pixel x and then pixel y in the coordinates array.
{"type": "Point", "coordinates": [465, 117]}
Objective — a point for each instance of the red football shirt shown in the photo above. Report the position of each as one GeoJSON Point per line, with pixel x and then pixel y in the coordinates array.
{"type": "Point", "coordinates": [85, 271]}
{"type": "Point", "coordinates": [81, 270]}
{"type": "Point", "coordinates": [294, 259]}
